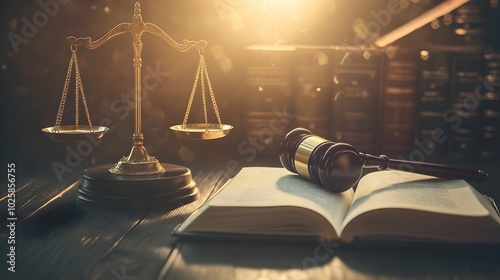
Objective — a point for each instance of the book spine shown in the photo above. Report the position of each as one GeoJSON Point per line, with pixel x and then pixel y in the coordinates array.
{"type": "Point", "coordinates": [490, 128]}
{"type": "Point", "coordinates": [312, 91]}
{"type": "Point", "coordinates": [355, 98]}
{"type": "Point", "coordinates": [434, 98]}
{"type": "Point", "coordinates": [267, 100]}
{"type": "Point", "coordinates": [466, 99]}
{"type": "Point", "coordinates": [398, 101]}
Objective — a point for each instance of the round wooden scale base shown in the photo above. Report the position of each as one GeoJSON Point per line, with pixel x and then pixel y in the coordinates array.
{"type": "Point", "coordinates": [102, 189]}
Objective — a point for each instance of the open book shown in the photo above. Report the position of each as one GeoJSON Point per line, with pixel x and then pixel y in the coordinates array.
{"type": "Point", "coordinates": [387, 205]}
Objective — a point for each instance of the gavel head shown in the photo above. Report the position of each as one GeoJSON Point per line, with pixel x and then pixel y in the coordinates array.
{"type": "Point", "coordinates": [336, 166]}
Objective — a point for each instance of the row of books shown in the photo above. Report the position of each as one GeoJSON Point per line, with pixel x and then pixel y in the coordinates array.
{"type": "Point", "coordinates": [420, 103]}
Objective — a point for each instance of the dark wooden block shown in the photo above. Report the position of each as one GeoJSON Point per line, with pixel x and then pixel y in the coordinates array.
{"type": "Point", "coordinates": [171, 189]}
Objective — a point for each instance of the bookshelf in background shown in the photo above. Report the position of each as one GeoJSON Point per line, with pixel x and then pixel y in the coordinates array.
{"type": "Point", "coordinates": [267, 95]}
{"type": "Point", "coordinates": [312, 89]}
{"type": "Point", "coordinates": [451, 62]}
{"type": "Point", "coordinates": [392, 102]}
{"type": "Point", "coordinates": [354, 105]}
{"type": "Point", "coordinates": [398, 100]}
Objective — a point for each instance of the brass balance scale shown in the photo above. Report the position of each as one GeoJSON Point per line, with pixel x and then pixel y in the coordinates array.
{"type": "Point", "coordinates": [137, 180]}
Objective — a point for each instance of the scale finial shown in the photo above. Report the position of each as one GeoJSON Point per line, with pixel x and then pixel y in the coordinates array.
{"type": "Point", "coordinates": [137, 9]}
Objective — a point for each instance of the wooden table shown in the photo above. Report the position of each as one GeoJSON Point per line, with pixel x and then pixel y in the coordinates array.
{"type": "Point", "coordinates": [57, 238]}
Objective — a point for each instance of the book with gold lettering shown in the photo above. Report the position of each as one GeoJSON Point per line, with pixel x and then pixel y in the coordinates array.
{"type": "Point", "coordinates": [387, 205]}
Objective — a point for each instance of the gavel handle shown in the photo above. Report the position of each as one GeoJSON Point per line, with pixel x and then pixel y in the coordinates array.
{"type": "Point", "coordinates": [433, 169]}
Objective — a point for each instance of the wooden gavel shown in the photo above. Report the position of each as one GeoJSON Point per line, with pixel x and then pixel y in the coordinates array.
{"type": "Point", "coordinates": [338, 166]}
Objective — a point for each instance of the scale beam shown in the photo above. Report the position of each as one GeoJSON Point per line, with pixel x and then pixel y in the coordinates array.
{"type": "Point", "coordinates": [136, 28]}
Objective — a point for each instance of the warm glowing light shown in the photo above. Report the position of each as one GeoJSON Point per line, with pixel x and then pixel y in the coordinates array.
{"type": "Point", "coordinates": [107, 10]}
{"type": "Point", "coordinates": [274, 22]}
{"type": "Point", "coordinates": [226, 64]}
{"type": "Point", "coordinates": [359, 28]}
{"type": "Point", "coordinates": [336, 80]}
{"type": "Point", "coordinates": [279, 21]}
{"type": "Point", "coordinates": [217, 51]}
{"type": "Point", "coordinates": [275, 18]}
{"type": "Point", "coordinates": [435, 24]}
{"type": "Point", "coordinates": [448, 19]}
{"type": "Point", "coordinates": [320, 58]}
{"type": "Point", "coordinates": [460, 31]}
{"type": "Point", "coordinates": [367, 55]}
{"type": "Point", "coordinates": [437, 11]}
{"type": "Point", "coordinates": [424, 54]}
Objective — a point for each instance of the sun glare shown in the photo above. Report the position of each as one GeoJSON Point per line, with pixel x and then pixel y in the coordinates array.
{"type": "Point", "coordinates": [280, 21]}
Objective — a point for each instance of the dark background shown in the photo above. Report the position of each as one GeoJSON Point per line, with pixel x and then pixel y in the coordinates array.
{"type": "Point", "coordinates": [32, 77]}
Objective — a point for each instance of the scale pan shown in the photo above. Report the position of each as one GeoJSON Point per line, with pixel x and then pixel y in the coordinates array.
{"type": "Point", "coordinates": [69, 133]}
{"type": "Point", "coordinates": [201, 131]}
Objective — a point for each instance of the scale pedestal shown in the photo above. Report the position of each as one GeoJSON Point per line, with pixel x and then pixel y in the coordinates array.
{"type": "Point", "coordinates": [137, 180]}
{"type": "Point", "coordinates": [170, 189]}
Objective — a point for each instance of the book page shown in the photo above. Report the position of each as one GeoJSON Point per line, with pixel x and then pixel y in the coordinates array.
{"type": "Point", "coordinates": [398, 189]}
{"type": "Point", "coordinates": [270, 186]}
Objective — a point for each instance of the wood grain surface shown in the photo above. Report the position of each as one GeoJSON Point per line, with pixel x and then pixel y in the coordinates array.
{"type": "Point", "coordinates": [58, 238]}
